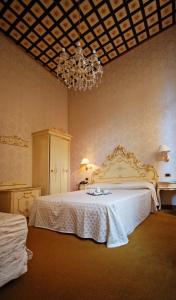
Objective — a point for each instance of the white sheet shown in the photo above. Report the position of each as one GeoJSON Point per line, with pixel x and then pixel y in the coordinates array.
{"type": "Point", "coordinates": [106, 218]}
{"type": "Point", "coordinates": [13, 254]}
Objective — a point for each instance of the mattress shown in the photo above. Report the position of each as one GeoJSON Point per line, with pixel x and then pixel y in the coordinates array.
{"type": "Point", "coordinates": [106, 218]}
{"type": "Point", "coordinates": [13, 253]}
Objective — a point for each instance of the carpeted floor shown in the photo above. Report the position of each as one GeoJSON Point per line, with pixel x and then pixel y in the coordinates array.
{"type": "Point", "coordinates": [65, 267]}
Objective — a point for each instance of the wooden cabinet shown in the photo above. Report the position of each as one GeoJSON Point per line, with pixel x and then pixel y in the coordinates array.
{"type": "Point", "coordinates": [51, 161]}
{"type": "Point", "coordinates": [19, 200]}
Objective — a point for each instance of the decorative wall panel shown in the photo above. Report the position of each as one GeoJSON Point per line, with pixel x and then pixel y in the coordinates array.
{"type": "Point", "coordinates": [14, 140]}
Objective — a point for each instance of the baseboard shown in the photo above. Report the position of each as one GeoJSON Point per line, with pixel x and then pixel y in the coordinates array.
{"type": "Point", "coordinates": [166, 206]}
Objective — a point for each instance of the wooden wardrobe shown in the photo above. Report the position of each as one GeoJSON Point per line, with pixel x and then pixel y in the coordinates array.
{"type": "Point", "coordinates": [51, 161]}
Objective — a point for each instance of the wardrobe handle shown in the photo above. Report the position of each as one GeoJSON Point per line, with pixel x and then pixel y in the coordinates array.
{"type": "Point", "coordinates": [54, 171]}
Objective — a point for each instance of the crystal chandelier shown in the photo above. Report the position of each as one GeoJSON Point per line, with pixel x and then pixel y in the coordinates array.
{"type": "Point", "coordinates": [78, 72]}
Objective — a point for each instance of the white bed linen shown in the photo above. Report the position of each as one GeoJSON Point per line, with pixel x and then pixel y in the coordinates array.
{"type": "Point", "coordinates": [128, 185]}
{"type": "Point", "coordinates": [106, 218]}
{"type": "Point", "coordinates": [13, 253]}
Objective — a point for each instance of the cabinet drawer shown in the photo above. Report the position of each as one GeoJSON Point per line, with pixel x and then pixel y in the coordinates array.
{"type": "Point", "coordinates": [167, 185]}
{"type": "Point", "coordinates": [23, 200]}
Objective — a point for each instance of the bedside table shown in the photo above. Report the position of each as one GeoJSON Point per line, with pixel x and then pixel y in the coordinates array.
{"type": "Point", "coordinates": [165, 186]}
{"type": "Point", "coordinates": [82, 186]}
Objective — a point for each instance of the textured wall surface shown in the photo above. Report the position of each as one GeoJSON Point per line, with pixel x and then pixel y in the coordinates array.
{"type": "Point", "coordinates": [30, 100]}
{"type": "Point", "coordinates": [135, 106]}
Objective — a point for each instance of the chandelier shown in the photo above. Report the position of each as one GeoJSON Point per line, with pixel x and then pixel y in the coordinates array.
{"type": "Point", "coordinates": [79, 72]}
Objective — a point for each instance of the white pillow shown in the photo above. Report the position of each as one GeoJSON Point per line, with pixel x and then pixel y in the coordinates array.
{"type": "Point", "coordinates": [128, 184]}
{"type": "Point", "coordinates": [104, 185]}
{"type": "Point", "coordinates": [136, 184]}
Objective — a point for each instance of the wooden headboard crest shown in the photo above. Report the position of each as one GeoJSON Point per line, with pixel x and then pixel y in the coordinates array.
{"type": "Point", "coordinates": [121, 166]}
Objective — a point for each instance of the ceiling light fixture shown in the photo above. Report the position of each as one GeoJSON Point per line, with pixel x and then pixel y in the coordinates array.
{"type": "Point", "coordinates": [78, 72]}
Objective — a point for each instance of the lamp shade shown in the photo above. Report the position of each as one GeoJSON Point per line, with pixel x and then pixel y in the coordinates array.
{"type": "Point", "coordinates": [164, 148]}
{"type": "Point", "coordinates": [84, 161]}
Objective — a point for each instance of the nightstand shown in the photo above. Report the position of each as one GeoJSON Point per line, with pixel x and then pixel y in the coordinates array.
{"type": "Point", "coordinates": [165, 186]}
{"type": "Point", "coordinates": [82, 186]}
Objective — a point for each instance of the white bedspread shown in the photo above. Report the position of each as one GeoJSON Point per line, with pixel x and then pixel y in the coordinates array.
{"type": "Point", "coordinates": [106, 218]}
{"type": "Point", "coordinates": [13, 254]}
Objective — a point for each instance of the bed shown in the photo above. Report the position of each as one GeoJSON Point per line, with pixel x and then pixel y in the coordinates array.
{"type": "Point", "coordinates": [106, 218]}
{"type": "Point", "coordinates": [13, 252]}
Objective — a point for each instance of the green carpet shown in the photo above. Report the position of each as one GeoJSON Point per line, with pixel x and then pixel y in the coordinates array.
{"type": "Point", "coordinates": [66, 267]}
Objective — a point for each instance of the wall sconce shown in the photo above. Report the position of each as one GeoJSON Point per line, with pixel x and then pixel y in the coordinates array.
{"type": "Point", "coordinates": [163, 153]}
{"type": "Point", "coordinates": [85, 164]}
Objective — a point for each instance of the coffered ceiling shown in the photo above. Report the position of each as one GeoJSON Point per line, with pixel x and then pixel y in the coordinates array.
{"type": "Point", "coordinates": [111, 27]}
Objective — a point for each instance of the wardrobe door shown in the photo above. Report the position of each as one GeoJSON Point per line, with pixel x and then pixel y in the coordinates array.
{"type": "Point", "coordinates": [65, 166]}
{"type": "Point", "coordinates": [59, 164]}
{"type": "Point", "coordinates": [40, 162]}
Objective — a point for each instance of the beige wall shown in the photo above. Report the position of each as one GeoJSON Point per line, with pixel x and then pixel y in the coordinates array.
{"type": "Point", "coordinates": [135, 106]}
{"type": "Point", "coordinates": [30, 100]}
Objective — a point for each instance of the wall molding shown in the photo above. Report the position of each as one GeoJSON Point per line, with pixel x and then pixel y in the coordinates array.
{"type": "Point", "coordinates": [14, 140]}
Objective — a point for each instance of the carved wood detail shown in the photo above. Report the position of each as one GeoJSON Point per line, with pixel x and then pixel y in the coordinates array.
{"type": "Point", "coordinates": [14, 140]}
{"type": "Point", "coordinates": [121, 166]}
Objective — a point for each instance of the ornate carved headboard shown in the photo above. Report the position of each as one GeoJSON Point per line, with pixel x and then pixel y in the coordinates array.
{"type": "Point", "coordinates": [123, 166]}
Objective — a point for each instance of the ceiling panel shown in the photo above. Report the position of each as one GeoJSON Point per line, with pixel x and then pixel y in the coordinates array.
{"type": "Point", "coordinates": [112, 27]}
